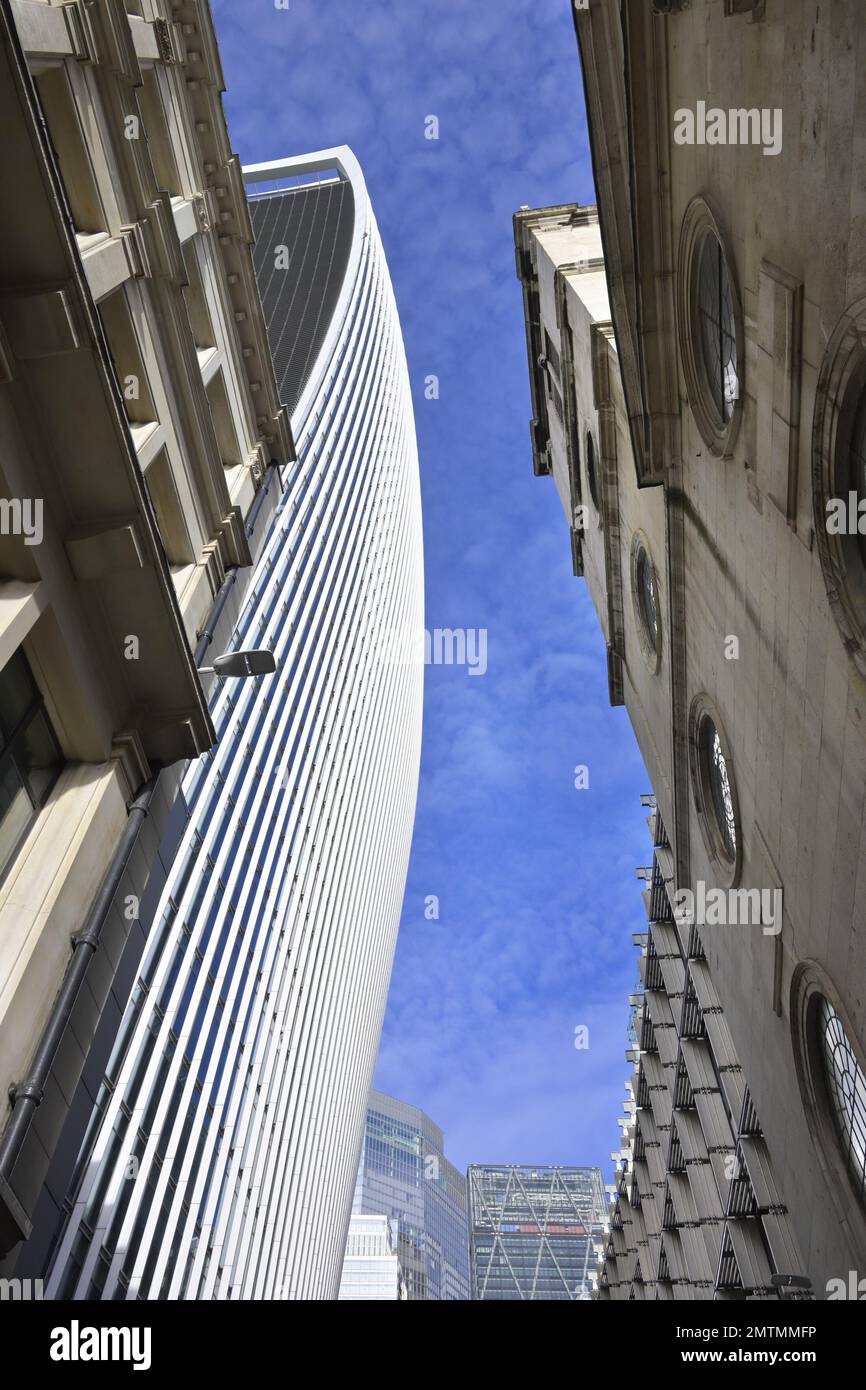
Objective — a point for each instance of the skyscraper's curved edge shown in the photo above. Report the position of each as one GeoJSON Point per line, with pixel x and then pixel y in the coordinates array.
{"type": "Point", "coordinates": [342, 160]}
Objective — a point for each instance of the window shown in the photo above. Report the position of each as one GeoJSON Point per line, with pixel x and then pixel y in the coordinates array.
{"type": "Point", "coordinates": [709, 327]}
{"type": "Point", "coordinates": [226, 435]}
{"type": "Point", "coordinates": [30, 756]}
{"type": "Point", "coordinates": [162, 490]}
{"type": "Point", "coordinates": [196, 302]}
{"type": "Point", "coordinates": [831, 1070]}
{"type": "Point", "coordinates": [591, 470]}
{"type": "Point", "coordinates": [714, 789]}
{"type": "Point", "coordinates": [157, 131]}
{"type": "Point", "coordinates": [647, 607]}
{"type": "Point", "coordinates": [61, 118]}
{"type": "Point", "coordinates": [716, 323]}
{"type": "Point", "coordinates": [857, 461]}
{"type": "Point", "coordinates": [846, 1091]}
{"type": "Point", "coordinates": [839, 478]}
{"type": "Point", "coordinates": [551, 352]}
{"type": "Point", "coordinates": [647, 595]}
{"type": "Point", "coordinates": [123, 342]}
{"type": "Point", "coordinates": [716, 772]}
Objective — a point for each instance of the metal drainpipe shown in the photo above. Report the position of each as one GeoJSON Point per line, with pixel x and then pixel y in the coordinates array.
{"type": "Point", "coordinates": [206, 635]}
{"type": "Point", "coordinates": [28, 1096]}
{"type": "Point", "coordinates": [273, 468]}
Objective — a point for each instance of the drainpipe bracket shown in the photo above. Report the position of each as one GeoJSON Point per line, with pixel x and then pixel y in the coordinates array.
{"type": "Point", "coordinates": [140, 803]}
{"type": "Point", "coordinates": [26, 1090]}
{"type": "Point", "coordinates": [82, 938]}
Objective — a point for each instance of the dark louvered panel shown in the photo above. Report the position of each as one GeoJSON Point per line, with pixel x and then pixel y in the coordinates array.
{"type": "Point", "coordinates": [300, 285]}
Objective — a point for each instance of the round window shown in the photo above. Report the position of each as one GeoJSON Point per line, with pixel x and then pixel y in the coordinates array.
{"type": "Point", "coordinates": [719, 784]}
{"type": "Point", "coordinates": [831, 1071]}
{"type": "Point", "coordinates": [714, 790]}
{"type": "Point", "coordinates": [591, 471]}
{"type": "Point", "coordinates": [839, 478]}
{"type": "Point", "coordinates": [647, 594]}
{"type": "Point", "coordinates": [846, 1091]}
{"type": "Point", "coordinates": [709, 328]}
{"type": "Point", "coordinates": [647, 607]}
{"type": "Point", "coordinates": [718, 338]}
{"type": "Point", "coordinates": [857, 461]}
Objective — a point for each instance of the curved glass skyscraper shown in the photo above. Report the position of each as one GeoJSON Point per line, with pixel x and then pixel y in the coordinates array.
{"type": "Point", "coordinates": [222, 1159]}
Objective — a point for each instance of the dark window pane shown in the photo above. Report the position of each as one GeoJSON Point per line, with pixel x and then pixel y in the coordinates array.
{"type": "Point", "coordinates": [590, 471]}
{"type": "Point", "coordinates": [38, 756]}
{"type": "Point", "coordinates": [647, 597]}
{"type": "Point", "coordinates": [15, 812]}
{"type": "Point", "coordinates": [858, 449]}
{"type": "Point", "coordinates": [716, 320]}
{"type": "Point", "coordinates": [17, 692]}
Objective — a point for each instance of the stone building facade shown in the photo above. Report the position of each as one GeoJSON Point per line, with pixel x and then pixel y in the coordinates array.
{"type": "Point", "coordinates": [696, 1212]}
{"type": "Point", "coordinates": [708, 418]}
{"type": "Point", "coordinates": [142, 430]}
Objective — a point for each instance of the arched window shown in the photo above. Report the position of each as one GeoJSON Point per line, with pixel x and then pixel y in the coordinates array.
{"type": "Point", "coordinates": [592, 470]}
{"type": "Point", "coordinates": [715, 312]}
{"type": "Point", "coordinates": [846, 1091]}
{"type": "Point", "coordinates": [839, 478]}
{"type": "Point", "coordinates": [647, 605]}
{"type": "Point", "coordinates": [857, 459]}
{"type": "Point", "coordinates": [714, 790]}
{"type": "Point", "coordinates": [830, 1070]}
{"type": "Point", "coordinates": [709, 328]}
{"type": "Point", "coordinates": [719, 784]}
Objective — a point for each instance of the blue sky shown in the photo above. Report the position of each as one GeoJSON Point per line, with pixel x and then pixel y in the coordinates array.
{"type": "Point", "coordinates": [536, 880]}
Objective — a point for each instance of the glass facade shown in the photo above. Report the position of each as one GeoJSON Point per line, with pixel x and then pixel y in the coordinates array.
{"type": "Point", "coordinates": [404, 1173]}
{"type": "Point", "coordinates": [535, 1232]}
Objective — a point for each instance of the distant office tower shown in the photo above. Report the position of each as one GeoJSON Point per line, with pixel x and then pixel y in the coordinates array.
{"type": "Point", "coordinates": [371, 1268]}
{"type": "Point", "coordinates": [697, 1211]}
{"type": "Point", "coordinates": [237, 1092]}
{"type": "Point", "coordinates": [142, 443]}
{"type": "Point", "coordinates": [404, 1172]}
{"type": "Point", "coordinates": [535, 1232]}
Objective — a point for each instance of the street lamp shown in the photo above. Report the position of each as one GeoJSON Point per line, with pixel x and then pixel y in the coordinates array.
{"type": "Point", "coordinates": [259, 662]}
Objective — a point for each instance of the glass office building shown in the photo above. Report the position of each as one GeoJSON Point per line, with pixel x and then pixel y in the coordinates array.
{"type": "Point", "coordinates": [371, 1267]}
{"type": "Point", "coordinates": [221, 1158]}
{"type": "Point", "coordinates": [404, 1173]}
{"type": "Point", "coordinates": [535, 1232]}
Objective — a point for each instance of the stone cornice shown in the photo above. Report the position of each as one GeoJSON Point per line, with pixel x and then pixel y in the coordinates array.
{"type": "Point", "coordinates": [223, 208]}
{"type": "Point", "coordinates": [626, 133]}
{"type": "Point", "coordinates": [603, 370]}
{"type": "Point", "coordinates": [84, 434]}
{"type": "Point", "coordinates": [569, 409]}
